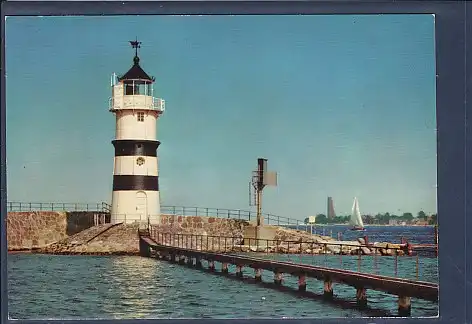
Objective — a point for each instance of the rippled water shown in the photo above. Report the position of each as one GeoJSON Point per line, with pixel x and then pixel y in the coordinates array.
{"type": "Point", "coordinates": [47, 286]}
{"type": "Point", "coordinates": [393, 234]}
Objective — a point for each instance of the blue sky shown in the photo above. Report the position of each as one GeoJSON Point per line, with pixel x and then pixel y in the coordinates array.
{"type": "Point", "coordinates": [340, 106]}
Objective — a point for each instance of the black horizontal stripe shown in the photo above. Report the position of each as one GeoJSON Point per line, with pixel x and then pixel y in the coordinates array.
{"type": "Point", "coordinates": [135, 147]}
{"type": "Point", "coordinates": [135, 182]}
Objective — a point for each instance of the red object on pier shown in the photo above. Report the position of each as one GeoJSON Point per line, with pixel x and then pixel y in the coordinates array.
{"type": "Point", "coordinates": [409, 248]}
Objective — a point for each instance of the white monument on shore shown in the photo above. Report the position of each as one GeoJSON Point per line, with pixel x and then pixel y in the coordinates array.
{"type": "Point", "coordinates": [135, 175]}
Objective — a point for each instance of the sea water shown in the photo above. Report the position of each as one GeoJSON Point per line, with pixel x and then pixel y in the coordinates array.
{"type": "Point", "coordinates": [116, 287]}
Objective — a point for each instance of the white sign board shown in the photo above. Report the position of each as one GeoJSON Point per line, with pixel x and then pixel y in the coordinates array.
{"type": "Point", "coordinates": [311, 219]}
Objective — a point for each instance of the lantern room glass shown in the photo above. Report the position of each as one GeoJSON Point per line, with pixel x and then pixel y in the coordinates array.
{"type": "Point", "coordinates": [137, 87]}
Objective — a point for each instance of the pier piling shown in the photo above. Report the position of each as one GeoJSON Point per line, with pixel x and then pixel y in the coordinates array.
{"type": "Point", "coordinates": [198, 262]}
{"type": "Point", "coordinates": [224, 267]}
{"type": "Point", "coordinates": [278, 278]}
{"type": "Point", "coordinates": [361, 297]}
{"type": "Point", "coordinates": [302, 282]}
{"type": "Point", "coordinates": [190, 261]}
{"type": "Point", "coordinates": [404, 306]}
{"type": "Point", "coordinates": [239, 271]}
{"type": "Point", "coordinates": [211, 265]}
{"type": "Point", "coordinates": [258, 274]}
{"type": "Point", "coordinates": [328, 288]}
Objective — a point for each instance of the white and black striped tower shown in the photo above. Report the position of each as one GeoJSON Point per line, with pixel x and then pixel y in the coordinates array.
{"type": "Point", "coordinates": [135, 176]}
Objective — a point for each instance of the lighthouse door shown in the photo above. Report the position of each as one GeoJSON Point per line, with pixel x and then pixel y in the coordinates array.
{"type": "Point", "coordinates": [141, 205]}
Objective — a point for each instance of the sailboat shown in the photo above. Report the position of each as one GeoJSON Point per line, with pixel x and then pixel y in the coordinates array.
{"type": "Point", "coordinates": [356, 220]}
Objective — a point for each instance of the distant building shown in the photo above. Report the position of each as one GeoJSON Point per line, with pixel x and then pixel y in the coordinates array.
{"type": "Point", "coordinates": [420, 222]}
{"type": "Point", "coordinates": [331, 214]}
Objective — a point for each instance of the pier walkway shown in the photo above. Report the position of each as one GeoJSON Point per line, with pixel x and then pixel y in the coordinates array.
{"type": "Point", "coordinates": [405, 289]}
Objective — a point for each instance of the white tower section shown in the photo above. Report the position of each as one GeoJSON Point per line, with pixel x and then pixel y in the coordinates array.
{"type": "Point", "coordinates": [136, 174]}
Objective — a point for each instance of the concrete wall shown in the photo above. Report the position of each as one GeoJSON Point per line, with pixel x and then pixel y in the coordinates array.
{"type": "Point", "coordinates": [79, 221]}
{"type": "Point", "coordinates": [266, 232]}
{"type": "Point", "coordinates": [27, 230]}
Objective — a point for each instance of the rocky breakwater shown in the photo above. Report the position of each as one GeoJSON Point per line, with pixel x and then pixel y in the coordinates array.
{"type": "Point", "coordinates": [291, 241]}
{"type": "Point", "coordinates": [207, 234]}
{"type": "Point", "coordinates": [227, 235]}
{"type": "Point", "coordinates": [294, 241]}
{"type": "Point", "coordinates": [107, 239]}
{"type": "Point", "coordinates": [199, 232]}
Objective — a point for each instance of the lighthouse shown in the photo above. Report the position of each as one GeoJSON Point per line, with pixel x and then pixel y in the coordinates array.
{"type": "Point", "coordinates": [135, 197]}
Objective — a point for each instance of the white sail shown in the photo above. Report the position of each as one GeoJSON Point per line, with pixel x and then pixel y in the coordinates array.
{"type": "Point", "coordinates": [356, 219]}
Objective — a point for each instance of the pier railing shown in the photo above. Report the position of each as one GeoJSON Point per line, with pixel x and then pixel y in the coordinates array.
{"type": "Point", "coordinates": [392, 260]}
{"type": "Point", "coordinates": [269, 219]}
{"type": "Point", "coordinates": [13, 206]}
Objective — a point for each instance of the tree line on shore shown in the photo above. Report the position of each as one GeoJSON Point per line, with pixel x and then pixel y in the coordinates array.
{"type": "Point", "coordinates": [379, 219]}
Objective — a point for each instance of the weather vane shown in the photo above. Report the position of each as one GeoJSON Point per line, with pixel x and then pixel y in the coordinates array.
{"type": "Point", "coordinates": [135, 44]}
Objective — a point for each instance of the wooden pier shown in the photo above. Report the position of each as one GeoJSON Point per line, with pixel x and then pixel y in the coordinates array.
{"type": "Point", "coordinates": [405, 289]}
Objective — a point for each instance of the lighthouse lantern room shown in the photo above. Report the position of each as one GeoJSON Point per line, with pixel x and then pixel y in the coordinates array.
{"type": "Point", "coordinates": [135, 195]}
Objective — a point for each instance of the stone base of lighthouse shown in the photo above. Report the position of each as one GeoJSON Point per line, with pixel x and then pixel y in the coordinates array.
{"type": "Point", "coordinates": [135, 206]}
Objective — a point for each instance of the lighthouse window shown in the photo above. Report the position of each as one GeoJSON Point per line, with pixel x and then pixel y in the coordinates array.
{"type": "Point", "coordinates": [138, 87]}
{"type": "Point", "coordinates": [149, 89]}
{"type": "Point", "coordinates": [140, 116]}
{"type": "Point", "coordinates": [141, 89]}
{"type": "Point", "coordinates": [129, 89]}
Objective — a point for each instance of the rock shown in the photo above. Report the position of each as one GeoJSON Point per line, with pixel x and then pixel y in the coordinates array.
{"type": "Point", "coordinates": [244, 248]}
{"type": "Point", "coordinates": [282, 249]}
{"type": "Point", "coordinates": [361, 240]}
{"type": "Point", "coordinates": [327, 238]}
